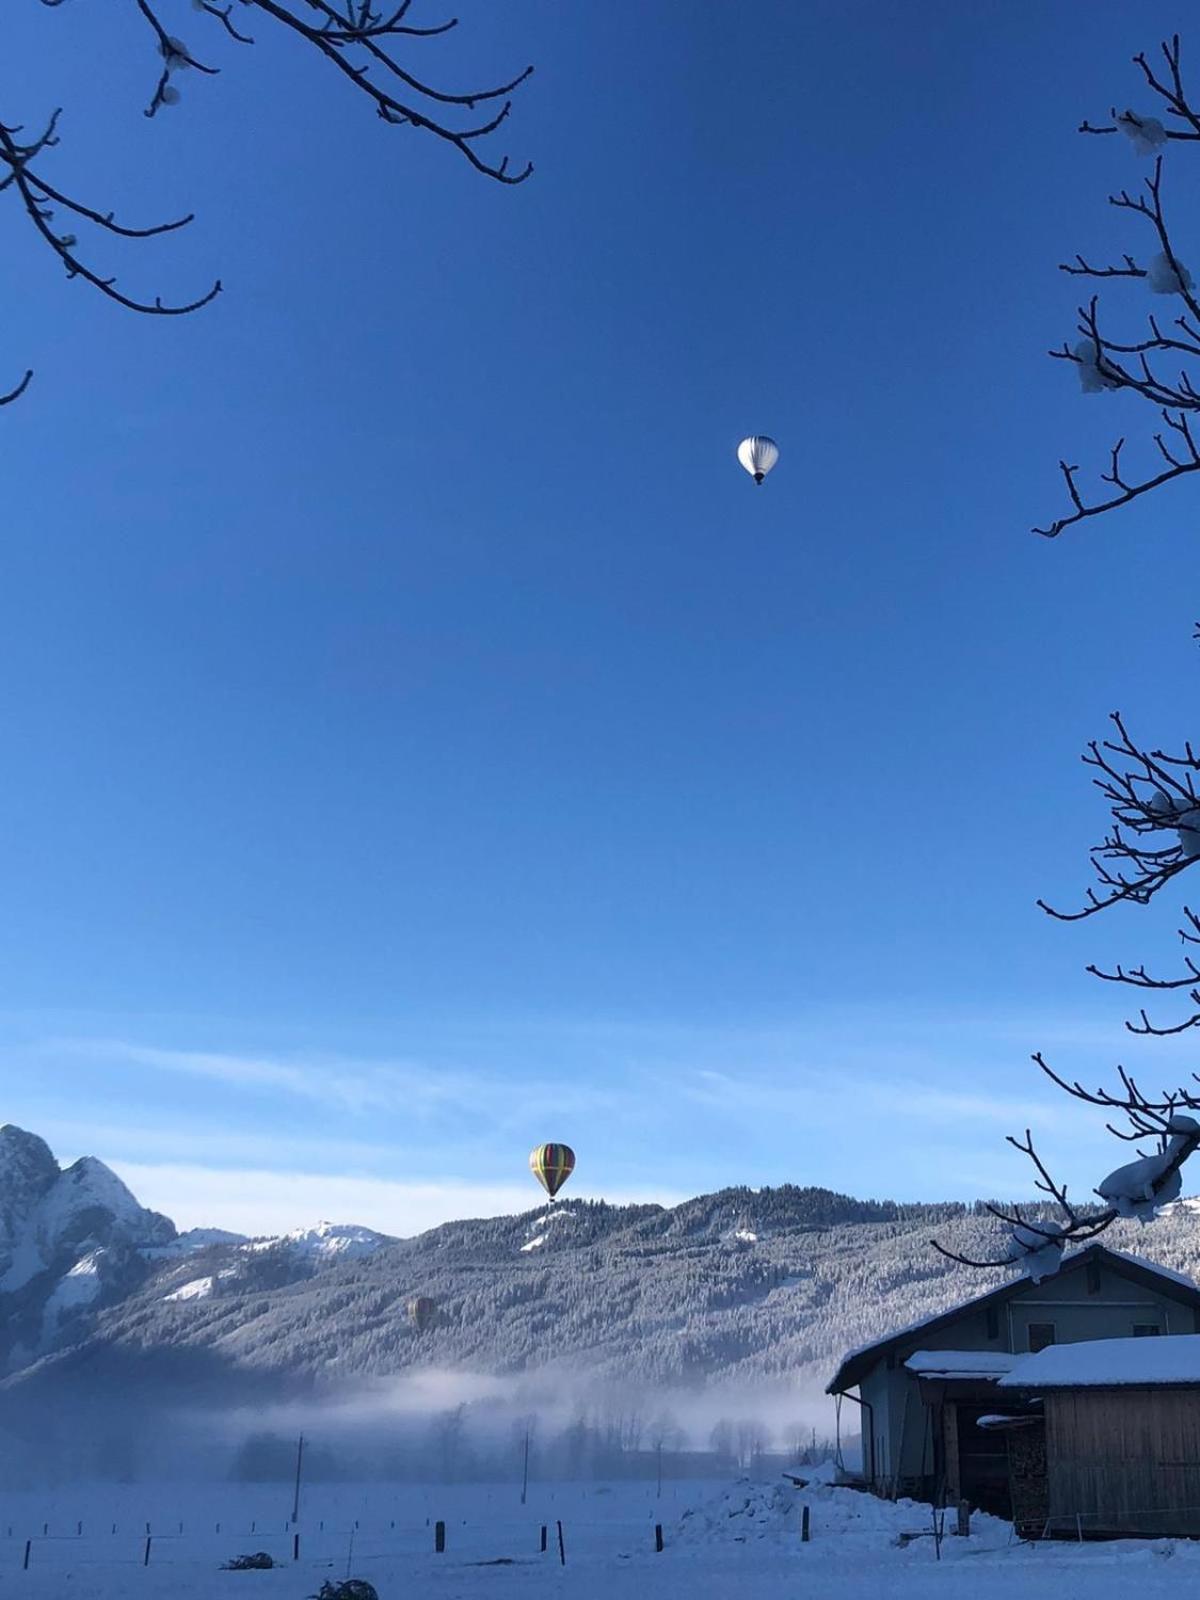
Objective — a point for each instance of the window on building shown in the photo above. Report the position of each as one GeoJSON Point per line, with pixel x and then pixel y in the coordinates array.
{"type": "Point", "coordinates": [993, 1323]}
{"type": "Point", "coordinates": [1146, 1330]}
{"type": "Point", "coordinates": [1040, 1335]}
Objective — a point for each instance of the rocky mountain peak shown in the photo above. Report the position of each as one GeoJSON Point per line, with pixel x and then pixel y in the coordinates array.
{"type": "Point", "coordinates": [28, 1171]}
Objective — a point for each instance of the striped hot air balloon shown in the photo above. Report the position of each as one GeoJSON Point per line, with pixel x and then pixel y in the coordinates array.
{"type": "Point", "coordinates": [552, 1165]}
{"type": "Point", "coordinates": [421, 1311]}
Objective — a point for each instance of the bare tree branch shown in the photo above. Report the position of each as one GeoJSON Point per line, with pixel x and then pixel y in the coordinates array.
{"type": "Point", "coordinates": [1150, 793]}
{"type": "Point", "coordinates": [1102, 360]}
{"type": "Point", "coordinates": [361, 39]}
{"type": "Point", "coordinates": [39, 198]}
{"type": "Point", "coordinates": [15, 394]}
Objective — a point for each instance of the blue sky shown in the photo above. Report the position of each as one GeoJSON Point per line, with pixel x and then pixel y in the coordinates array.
{"type": "Point", "coordinates": [422, 739]}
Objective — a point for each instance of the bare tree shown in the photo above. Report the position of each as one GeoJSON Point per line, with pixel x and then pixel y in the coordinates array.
{"type": "Point", "coordinates": [366, 43]}
{"type": "Point", "coordinates": [1143, 362]}
{"type": "Point", "coordinates": [1152, 798]}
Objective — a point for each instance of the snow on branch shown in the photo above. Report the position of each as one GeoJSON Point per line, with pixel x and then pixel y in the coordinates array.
{"type": "Point", "coordinates": [1139, 1189]}
{"type": "Point", "coordinates": [1159, 366]}
{"type": "Point", "coordinates": [1152, 795]}
{"type": "Point", "coordinates": [362, 42]}
{"type": "Point", "coordinates": [1155, 831]}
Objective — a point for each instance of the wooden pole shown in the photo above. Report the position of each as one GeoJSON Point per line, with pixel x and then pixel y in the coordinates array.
{"type": "Point", "coordinates": [658, 1538]}
{"type": "Point", "coordinates": [525, 1470]}
{"type": "Point", "coordinates": [146, 1557]}
{"type": "Point", "coordinates": [299, 1465]}
{"type": "Point", "coordinates": [562, 1549]}
{"type": "Point", "coordinates": [439, 1538]}
{"type": "Point", "coordinates": [28, 1552]}
{"type": "Point", "coordinates": [964, 1519]}
{"type": "Point", "coordinates": [544, 1538]}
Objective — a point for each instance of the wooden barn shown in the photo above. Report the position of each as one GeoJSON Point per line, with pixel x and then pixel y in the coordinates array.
{"type": "Point", "coordinates": [1116, 1447]}
{"type": "Point", "coordinates": [923, 1390]}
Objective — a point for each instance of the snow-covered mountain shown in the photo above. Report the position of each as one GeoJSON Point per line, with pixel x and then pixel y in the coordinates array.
{"type": "Point", "coordinates": [74, 1243]}
{"type": "Point", "coordinates": [70, 1243]}
{"type": "Point", "coordinates": [741, 1286]}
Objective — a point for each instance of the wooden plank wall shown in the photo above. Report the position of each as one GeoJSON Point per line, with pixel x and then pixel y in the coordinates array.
{"type": "Point", "coordinates": [1127, 1460]}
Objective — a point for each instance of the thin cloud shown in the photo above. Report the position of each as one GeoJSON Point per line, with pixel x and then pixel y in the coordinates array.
{"type": "Point", "coordinates": [906, 1098]}
{"type": "Point", "coordinates": [413, 1088]}
{"type": "Point", "coordinates": [349, 1086]}
{"type": "Point", "coordinates": [256, 1201]}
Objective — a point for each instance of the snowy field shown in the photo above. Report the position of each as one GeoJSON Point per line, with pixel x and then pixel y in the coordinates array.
{"type": "Point", "coordinates": [721, 1542]}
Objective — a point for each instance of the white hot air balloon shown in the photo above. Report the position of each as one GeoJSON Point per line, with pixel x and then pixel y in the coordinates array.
{"type": "Point", "coordinates": [758, 455]}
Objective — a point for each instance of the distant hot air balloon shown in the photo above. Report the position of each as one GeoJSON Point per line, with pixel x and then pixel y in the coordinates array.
{"type": "Point", "coordinates": [552, 1165]}
{"type": "Point", "coordinates": [421, 1311]}
{"type": "Point", "coordinates": [758, 455]}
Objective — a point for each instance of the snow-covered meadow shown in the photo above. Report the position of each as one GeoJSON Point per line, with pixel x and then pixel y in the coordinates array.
{"type": "Point", "coordinates": [720, 1542]}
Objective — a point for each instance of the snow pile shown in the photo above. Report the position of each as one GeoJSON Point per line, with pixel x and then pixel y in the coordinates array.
{"type": "Point", "coordinates": [1094, 375]}
{"type": "Point", "coordinates": [1168, 277]}
{"type": "Point", "coordinates": [1146, 134]}
{"type": "Point", "coordinates": [981, 1364]}
{"type": "Point", "coordinates": [1109, 1363]}
{"type": "Point", "coordinates": [1140, 1187]}
{"type": "Point", "coordinates": [1036, 1248]}
{"type": "Point", "coordinates": [1181, 814]}
{"type": "Point", "coordinates": [749, 1511]}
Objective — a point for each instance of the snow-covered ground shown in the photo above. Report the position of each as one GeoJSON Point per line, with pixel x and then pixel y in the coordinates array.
{"type": "Point", "coordinates": [721, 1542]}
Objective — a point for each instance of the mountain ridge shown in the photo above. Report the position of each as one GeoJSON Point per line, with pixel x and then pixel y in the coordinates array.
{"type": "Point", "coordinates": [740, 1286]}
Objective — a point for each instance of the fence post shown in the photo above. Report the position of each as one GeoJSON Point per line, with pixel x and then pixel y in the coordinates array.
{"type": "Point", "coordinates": [803, 1524]}
{"type": "Point", "coordinates": [658, 1539]}
{"type": "Point", "coordinates": [964, 1519]}
{"type": "Point", "coordinates": [545, 1537]}
{"type": "Point", "coordinates": [28, 1552]}
{"type": "Point", "coordinates": [562, 1549]}
{"type": "Point", "coordinates": [295, 1547]}
{"type": "Point", "coordinates": [146, 1557]}
{"type": "Point", "coordinates": [439, 1538]}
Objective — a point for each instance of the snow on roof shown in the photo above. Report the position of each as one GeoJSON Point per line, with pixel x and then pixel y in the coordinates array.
{"type": "Point", "coordinates": [1109, 1364]}
{"type": "Point", "coordinates": [986, 1364]}
{"type": "Point", "coordinates": [854, 1363]}
{"type": "Point", "coordinates": [1154, 1266]}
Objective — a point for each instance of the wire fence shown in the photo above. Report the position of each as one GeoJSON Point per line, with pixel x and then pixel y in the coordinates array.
{"type": "Point", "coordinates": [333, 1545]}
{"type": "Point", "coordinates": [1116, 1523]}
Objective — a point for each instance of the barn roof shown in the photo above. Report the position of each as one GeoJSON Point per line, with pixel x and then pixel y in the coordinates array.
{"type": "Point", "coordinates": [978, 1364]}
{"type": "Point", "coordinates": [1109, 1364]}
{"type": "Point", "coordinates": [860, 1362]}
